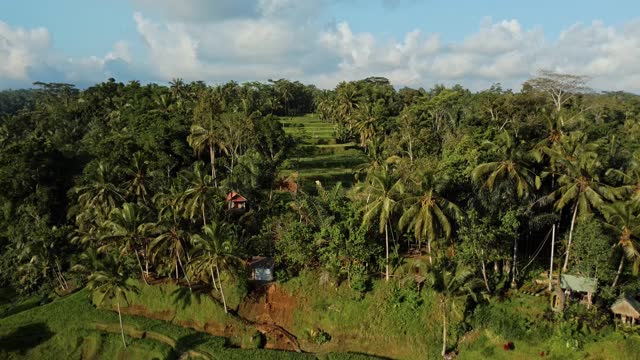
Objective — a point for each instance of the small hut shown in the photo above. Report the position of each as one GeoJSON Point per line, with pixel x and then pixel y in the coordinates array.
{"type": "Point", "coordinates": [236, 201]}
{"type": "Point", "coordinates": [585, 287]}
{"type": "Point", "coordinates": [261, 268]}
{"type": "Point", "coordinates": [628, 308]}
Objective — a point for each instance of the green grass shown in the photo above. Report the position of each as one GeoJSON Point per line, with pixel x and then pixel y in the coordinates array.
{"type": "Point", "coordinates": [373, 324]}
{"type": "Point", "coordinates": [72, 328]}
{"type": "Point", "coordinates": [523, 321]}
{"type": "Point", "coordinates": [320, 158]}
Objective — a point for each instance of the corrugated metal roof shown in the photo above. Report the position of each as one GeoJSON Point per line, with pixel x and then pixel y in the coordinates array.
{"type": "Point", "coordinates": [579, 283]}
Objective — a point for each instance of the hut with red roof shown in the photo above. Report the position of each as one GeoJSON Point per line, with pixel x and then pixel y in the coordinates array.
{"type": "Point", "coordinates": [236, 201]}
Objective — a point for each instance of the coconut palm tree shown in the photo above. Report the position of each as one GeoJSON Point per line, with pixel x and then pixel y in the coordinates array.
{"type": "Point", "coordinates": [579, 186]}
{"type": "Point", "coordinates": [381, 195]}
{"type": "Point", "coordinates": [100, 196]}
{"type": "Point", "coordinates": [347, 97]}
{"type": "Point", "coordinates": [199, 195]}
{"type": "Point", "coordinates": [429, 213]}
{"type": "Point", "coordinates": [455, 286]}
{"type": "Point", "coordinates": [170, 243]}
{"type": "Point", "coordinates": [136, 185]}
{"type": "Point", "coordinates": [214, 249]}
{"type": "Point", "coordinates": [630, 180]}
{"type": "Point", "coordinates": [129, 230]}
{"type": "Point", "coordinates": [201, 138]}
{"type": "Point", "coordinates": [623, 219]}
{"type": "Point", "coordinates": [365, 123]}
{"type": "Point", "coordinates": [512, 165]}
{"type": "Point", "coordinates": [111, 285]}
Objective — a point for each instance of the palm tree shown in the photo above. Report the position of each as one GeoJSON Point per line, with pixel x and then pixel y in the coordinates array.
{"type": "Point", "coordinates": [428, 213]}
{"type": "Point", "coordinates": [136, 185]}
{"type": "Point", "coordinates": [199, 195]}
{"type": "Point", "coordinates": [170, 242]}
{"type": "Point", "coordinates": [101, 196]}
{"type": "Point", "coordinates": [623, 218]}
{"type": "Point", "coordinates": [456, 286]}
{"type": "Point", "coordinates": [381, 191]}
{"type": "Point", "coordinates": [128, 227]}
{"type": "Point", "coordinates": [512, 165]}
{"type": "Point", "coordinates": [113, 286]}
{"type": "Point", "coordinates": [630, 180]}
{"type": "Point", "coordinates": [215, 250]}
{"type": "Point", "coordinates": [365, 123]}
{"type": "Point", "coordinates": [579, 185]}
{"type": "Point", "coordinates": [201, 138]}
{"type": "Point", "coordinates": [347, 97]}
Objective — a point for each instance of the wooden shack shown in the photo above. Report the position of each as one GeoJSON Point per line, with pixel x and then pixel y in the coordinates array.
{"type": "Point", "coordinates": [579, 286]}
{"type": "Point", "coordinates": [236, 201]}
{"type": "Point", "coordinates": [628, 308]}
{"type": "Point", "coordinates": [261, 268]}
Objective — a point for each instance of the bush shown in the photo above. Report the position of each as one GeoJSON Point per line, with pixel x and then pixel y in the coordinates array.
{"type": "Point", "coordinates": [511, 325]}
{"type": "Point", "coordinates": [318, 336]}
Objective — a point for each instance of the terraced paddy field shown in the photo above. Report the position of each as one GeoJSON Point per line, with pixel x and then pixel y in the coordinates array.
{"type": "Point", "coordinates": [320, 158]}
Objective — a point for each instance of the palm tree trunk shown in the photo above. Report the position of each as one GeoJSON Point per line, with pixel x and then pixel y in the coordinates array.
{"type": "Point", "coordinates": [212, 158]}
{"type": "Point", "coordinates": [185, 272]}
{"type": "Point", "coordinates": [224, 301]}
{"type": "Point", "coordinates": [429, 250]}
{"type": "Point", "coordinates": [553, 244]}
{"type": "Point", "coordinates": [573, 223]}
{"type": "Point", "coordinates": [386, 238]}
{"type": "Point", "coordinates": [204, 216]}
{"type": "Point", "coordinates": [615, 281]}
{"type": "Point", "coordinates": [65, 286]}
{"type": "Point", "coordinates": [141, 269]}
{"type": "Point", "coordinates": [513, 266]}
{"type": "Point", "coordinates": [213, 278]}
{"type": "Point", "coordinates": [444, 327]}
{"type": "Point", "coordinates": [484, 271]}
{"type": "Point", "coordinates": [120, 318]}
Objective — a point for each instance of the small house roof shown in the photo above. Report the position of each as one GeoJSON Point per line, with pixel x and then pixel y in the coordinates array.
{"type": "Point", "coordinates": [627, 306]}
{"type": "Point", "coordinates": [261, 262]}
{"type": "Point", "coordinates": [578, 283]}
{"type": "Point", "coordinates": [235, 197]}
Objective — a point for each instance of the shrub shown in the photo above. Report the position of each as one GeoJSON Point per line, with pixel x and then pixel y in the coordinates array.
{"type": "Point", "coordinates": [318, 336]}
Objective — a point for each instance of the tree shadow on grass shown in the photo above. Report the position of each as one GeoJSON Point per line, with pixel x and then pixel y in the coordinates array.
{"type": "Point", "coordinates": [25, 338]}
{"type": "Point", "coordinates": [192, 341]}
{"type": "Point", "coordinates": [185, 297]}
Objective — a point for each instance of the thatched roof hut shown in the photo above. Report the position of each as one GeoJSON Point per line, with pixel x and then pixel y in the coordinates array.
{"type": "Point", "coordinates": [627, 307]}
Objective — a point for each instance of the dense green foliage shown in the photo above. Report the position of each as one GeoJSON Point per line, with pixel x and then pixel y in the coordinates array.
{"type": "Point", "coordinates": [122, 181]}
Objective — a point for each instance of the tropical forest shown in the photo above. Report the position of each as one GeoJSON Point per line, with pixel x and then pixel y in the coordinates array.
{"type": "Point", "coordinates": [280, 220]}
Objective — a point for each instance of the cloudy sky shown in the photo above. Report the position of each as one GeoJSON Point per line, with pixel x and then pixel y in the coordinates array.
{"type": "Point", "coordinates": [415, 43]}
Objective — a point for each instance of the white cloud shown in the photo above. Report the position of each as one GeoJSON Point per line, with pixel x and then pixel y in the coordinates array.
{"type": "Point", "coordinates": [500, 51]}
{"type": "Point", "coordinates": [283, 38]}
{"type": "Point", "coordinates": [20, 50]}
{"type": "Point", "coordinates": [27, 56]}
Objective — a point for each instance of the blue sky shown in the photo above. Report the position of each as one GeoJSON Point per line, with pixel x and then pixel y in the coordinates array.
{"type": "Point", "coordinates": [412, 42]}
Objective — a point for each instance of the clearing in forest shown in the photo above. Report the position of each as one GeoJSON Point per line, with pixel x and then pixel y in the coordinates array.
{"type": "Point", "coordinates": [319, 157]}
